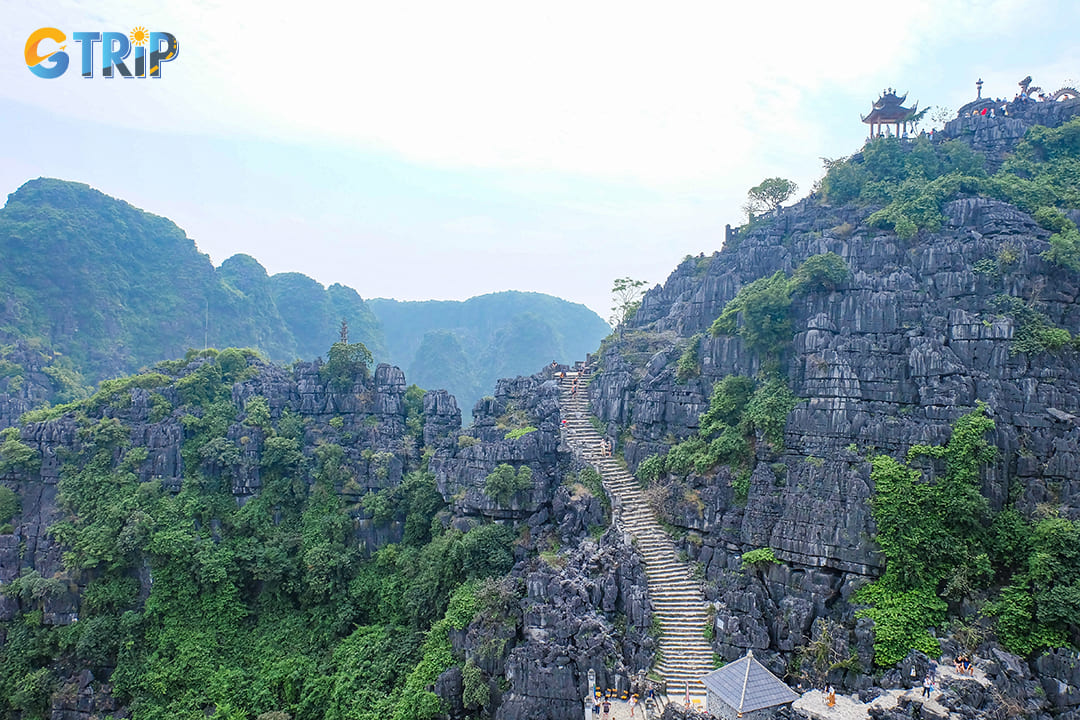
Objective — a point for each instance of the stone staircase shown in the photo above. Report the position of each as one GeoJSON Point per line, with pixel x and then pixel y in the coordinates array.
{"type": "Point", "coordinates": [684, 653]}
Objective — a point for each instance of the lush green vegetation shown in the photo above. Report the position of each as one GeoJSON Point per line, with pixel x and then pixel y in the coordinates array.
{"type": "Point", "coordinates": [942, 541]}
{"type": "Point", "coordinates": [1033, 333]}
{"type": "Point", "coordinates": [346, 363]}
{"type": "Point", "coordinates": [820, 273]}
{"type": "Point", "coordinates": [759, 558]}
{"type": "Point", "coordinates": [760, 313]}
{"type": "Point", "coordinates": [504, 483]}
{"type": "Point", "coordinates": [590, 480]}
{"type": "Point", "coordinates": [689, 365]}
{"type": "Point", "coordinates": [913, 180]}
{"type": "Point", "coordinates": [136, 290]}
{"type": "Point", "coordinates": [266, 608]}
{"type": "Point", "coordinates": [520, 432]}
{"type": "Point", "coordinates": [740, 411]}
{"type": "Point", "coordinates": [15, 454]}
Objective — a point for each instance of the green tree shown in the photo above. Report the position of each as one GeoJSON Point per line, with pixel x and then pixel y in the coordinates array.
{"type": "Point", "coordinates": [826, 272]}
{"type": "Point", "coordinates": [760, 313]}
{"type": "Point", "coordinates": [504, 482]}
{"type": "Point", "coordinates": [626, 295]}
{"type": "Point", "coordinates": [345, 362]}
{"type": "Point", "coordinates": [769, 195]}
{"type": "Point", "coordinates": [474, 692]}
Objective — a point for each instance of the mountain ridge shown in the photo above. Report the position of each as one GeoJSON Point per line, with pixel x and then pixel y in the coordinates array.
{"type": "Point", "coordinates": [113, 288]}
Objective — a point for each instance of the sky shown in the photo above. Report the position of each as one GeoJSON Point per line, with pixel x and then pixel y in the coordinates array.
{"type": "Point", "coordinates": [436, 150]}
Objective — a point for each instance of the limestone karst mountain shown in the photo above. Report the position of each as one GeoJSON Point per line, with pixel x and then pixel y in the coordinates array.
{"type": "Point", "coordinates": [94, 288]}
{"type": "Point", "coordinates": [857, 426]}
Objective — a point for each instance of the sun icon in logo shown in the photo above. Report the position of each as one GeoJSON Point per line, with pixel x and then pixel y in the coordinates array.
{"type": "Point", "coordinates": [139, 36]}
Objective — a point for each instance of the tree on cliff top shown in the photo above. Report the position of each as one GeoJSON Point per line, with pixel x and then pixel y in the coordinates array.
{"type": "Point", "coordinates": [345, 362]}
{"type": "Point", "coordinates": [626, 295]}
{"type": "Point", "coordinates": [769, 195]}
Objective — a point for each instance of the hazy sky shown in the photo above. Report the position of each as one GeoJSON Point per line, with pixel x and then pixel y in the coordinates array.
{"type": "Point", "coordinates": [447, 149]}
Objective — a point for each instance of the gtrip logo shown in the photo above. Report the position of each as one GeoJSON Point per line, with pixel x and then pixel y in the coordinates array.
{"type": "Point", "coordinates": [46, 58]}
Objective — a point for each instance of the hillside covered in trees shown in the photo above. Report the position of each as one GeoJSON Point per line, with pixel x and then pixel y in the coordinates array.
{"type": "Point", "coordinates": [94, 288]}
{"type": "Point", "coordinates": [858, 422]}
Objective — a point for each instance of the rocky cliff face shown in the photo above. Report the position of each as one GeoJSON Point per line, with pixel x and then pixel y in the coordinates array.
{"type": "Point", "coordinates": [582, 603]}
{"type": "Point", "coordinates": [910, 342]}
{"type": "Point", "coordinates": [575, 600]}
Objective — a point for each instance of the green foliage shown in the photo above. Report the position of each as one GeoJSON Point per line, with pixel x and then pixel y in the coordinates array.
{"type": "Point", "coordinates": [258, 412]}
{"type": "Point", "coordinates": [739, 410]}
{"type": "Point", "coordinates": [912, 180]}
{"type": "Point", "coordinates": [466, 441]}
{"type": "Point", "coordinates": [212, 380]}
{"type": "Point", "coordinates": [345, 364]}
{"type": "Point", "coordinates": [10, 505]}
{"type": "Point", "coordinates": [504, 482]}
{"type": "Point", "coordinates": [759, 559]}
{"type": "Point", "coordinates": [1033, 331]}
{"type": "Point", "coordinates": [689, 366]}
{"type": "Point", "coordinates": [626, 294]}
{"type": "Point", "coordinates": [592, 481]}
{"type": "Point", "coordinates": [824, 272]}
{"type": "Point", "coordinates": [414, 412]}
{"type": "Point", "coordinates": [901, 619]}
{"type": "Point", "coordinates": [760, 313]}
{"type": "Point", "coordinates": [770, 194]}
{"type": "Point", "coordinates": [260, 610]}
{"type": "Point", "coordinates": [1065, 248]}
{"type": "Point", "coordinates": [726, 405]}
{"type": "Point", "coordinates": [767, 410]}
{"type": "Point", "coordinates": [15, 455]}
{"type": "Point", "coordinates": [417, 702]}
{"type": "Point", "coordinates": [486, 551]}
{"type": "Point", "coordinates": [650, 469]}
{"type": "Point", "coordinates": [1039, 608]}
{"type": "Point", "coordinates": [934, 535]}
{"type": "Point", "coordinates": [291, 425]}
{"type": "Point", "coordinates": [474, 688]}
{"type": "Point", "coordinates": [118, 392]}
{"type": "Point", "coordinates": [1065, 242]}
{"type": "Point", "coordinates": [519, 432]}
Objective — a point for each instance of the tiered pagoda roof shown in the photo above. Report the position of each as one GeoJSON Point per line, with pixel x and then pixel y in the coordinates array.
{"type": "Point", "coordinates": [889, 109]}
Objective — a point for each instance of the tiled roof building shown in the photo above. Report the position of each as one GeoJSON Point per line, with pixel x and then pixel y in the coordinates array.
{"type": "Point", "coordinates": [745, 689]}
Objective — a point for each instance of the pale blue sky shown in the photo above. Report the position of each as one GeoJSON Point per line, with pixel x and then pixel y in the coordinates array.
{"type": "Point", "coordinates": [444, 150]}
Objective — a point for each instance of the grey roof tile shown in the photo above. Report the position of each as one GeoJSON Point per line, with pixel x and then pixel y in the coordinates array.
{"type": "Point", "coordinates": [747, 685]}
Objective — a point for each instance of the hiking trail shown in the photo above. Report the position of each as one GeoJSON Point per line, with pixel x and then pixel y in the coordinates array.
{"type": "Point", "coordinates": [684, 655]}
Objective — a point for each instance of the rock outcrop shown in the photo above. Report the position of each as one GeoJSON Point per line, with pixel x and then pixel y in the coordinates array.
{"type": "Point", "coordinates": [911, 341]}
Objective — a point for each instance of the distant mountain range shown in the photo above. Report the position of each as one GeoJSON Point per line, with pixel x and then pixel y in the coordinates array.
{"type": "Point", "coordinates": [466, 346]}
{"type": "Point", "coordinates": [110, 288]}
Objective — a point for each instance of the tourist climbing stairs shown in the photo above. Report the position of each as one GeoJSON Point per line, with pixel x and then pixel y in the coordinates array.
{"type": "Point", "coordinates": [684, 654]}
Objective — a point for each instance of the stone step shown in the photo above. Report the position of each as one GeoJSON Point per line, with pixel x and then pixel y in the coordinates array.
{"type": "Point", "coordinates": [675, 596]}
